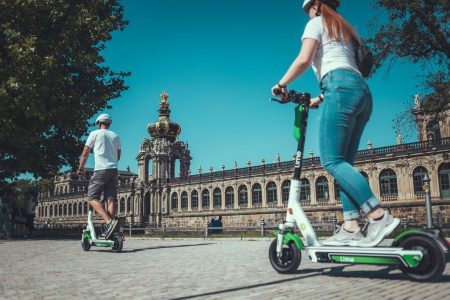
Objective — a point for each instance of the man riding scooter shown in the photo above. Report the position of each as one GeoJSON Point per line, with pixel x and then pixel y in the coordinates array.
{"type": "Point", "coordinates": [106, 147]}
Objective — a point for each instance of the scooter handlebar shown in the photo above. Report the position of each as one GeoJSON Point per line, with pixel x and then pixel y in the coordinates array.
{"type": "Point", "coordinates": [293, 96]}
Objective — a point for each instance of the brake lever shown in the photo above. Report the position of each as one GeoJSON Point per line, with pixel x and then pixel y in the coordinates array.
{"type": "Point", "coordinates": [279, 92]}
{"type": "Point", "coordinates": [279, 101]}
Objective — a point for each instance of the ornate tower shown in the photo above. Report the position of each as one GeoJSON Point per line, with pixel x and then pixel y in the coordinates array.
{"type": "Point", "coordinates": [426, 128]}
{"type": "Point", "coordinates": [163, 149]}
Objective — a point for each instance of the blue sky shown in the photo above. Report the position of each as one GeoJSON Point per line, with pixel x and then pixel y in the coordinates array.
{"type": "Point", "coordinates": [217, 60]}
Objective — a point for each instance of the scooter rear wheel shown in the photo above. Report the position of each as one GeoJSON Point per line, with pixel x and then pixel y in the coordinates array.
{"type": "Point", "coordinates": [118, 243]}
{"type": "Point", "coordinates": [290, 259]}
{"type": "Point", "coordinates": [86, 244]}
{"type": "Point", "coordinates": [433, 261]}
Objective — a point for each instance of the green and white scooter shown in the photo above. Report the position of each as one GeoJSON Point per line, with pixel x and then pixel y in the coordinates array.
{"type": "Point", "coordinates": [418, 253]}
{"type": "Point", "coordinates": [89, 237]}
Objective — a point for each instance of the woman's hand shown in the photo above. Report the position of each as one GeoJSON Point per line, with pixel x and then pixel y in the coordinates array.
{"type": "Point", "coordinates": [315, 102]}
{"type": "Point", "coordinates": [283, 94]}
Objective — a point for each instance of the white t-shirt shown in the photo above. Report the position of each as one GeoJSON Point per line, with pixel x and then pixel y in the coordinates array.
{"type": "Point", "coordinates": [105, 144]}
{"type": "Point", "coordinates": [330, 54]}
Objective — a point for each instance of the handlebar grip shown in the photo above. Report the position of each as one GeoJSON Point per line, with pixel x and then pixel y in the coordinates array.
{"type": "Point", "coordinates": [277, 91]}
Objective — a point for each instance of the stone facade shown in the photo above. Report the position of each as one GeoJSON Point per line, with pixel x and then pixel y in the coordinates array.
{"type": "Point", "coordinates": [244, 195]}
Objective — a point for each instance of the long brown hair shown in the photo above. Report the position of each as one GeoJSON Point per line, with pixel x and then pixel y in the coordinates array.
{"type": "Point", "coordinates": [336, 25]}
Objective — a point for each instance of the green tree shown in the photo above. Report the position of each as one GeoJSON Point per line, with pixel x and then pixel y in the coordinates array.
{"type": "Point", "coordinates": [53, 79]}
{"type": "Point", "coordinates": [417, 31]}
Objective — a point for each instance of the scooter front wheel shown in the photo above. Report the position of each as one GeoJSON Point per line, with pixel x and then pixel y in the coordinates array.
{"type": "Point", "coordinates": [118, 243]}
{"type": "Point", "coordinates": [289, 261]}
{"type": "Point", "coordinates": [86, 244]}
{"type": "Point", "coordinates": [433, 261]}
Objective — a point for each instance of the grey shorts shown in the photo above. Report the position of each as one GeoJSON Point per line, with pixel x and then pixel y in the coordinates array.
{"type": "Point", "coordinates": [103, 181]}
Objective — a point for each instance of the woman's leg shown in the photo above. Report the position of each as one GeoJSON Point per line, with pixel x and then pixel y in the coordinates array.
{"type": "Point", "coordinates": [346, 110]}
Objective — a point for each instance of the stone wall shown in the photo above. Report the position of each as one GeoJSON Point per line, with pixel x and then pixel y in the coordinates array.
{"type": "Point", "coordinates": [414, 212]}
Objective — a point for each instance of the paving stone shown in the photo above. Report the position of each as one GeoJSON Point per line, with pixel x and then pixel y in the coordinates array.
{"type": "Point", "coordinates": [190, 269]}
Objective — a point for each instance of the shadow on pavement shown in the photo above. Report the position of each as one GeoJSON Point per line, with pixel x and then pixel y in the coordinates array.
{"type": "Point", "coordinates": [166, 247]}
{"type": "Point", "coordinates": [338, 271]}
{"type": "Point", "coordinates": [99, 249]}
{"type": "Point", "coordinates": [247, 287]}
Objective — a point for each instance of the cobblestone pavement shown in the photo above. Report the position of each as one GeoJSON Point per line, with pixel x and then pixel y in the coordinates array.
{"type": "Point", "coordinates": [190, 269]}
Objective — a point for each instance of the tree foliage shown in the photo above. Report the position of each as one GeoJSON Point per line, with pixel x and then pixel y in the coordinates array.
{"type": "Point", "coordinates": [417, 31]}
{"type": "Point", "coordinates": [53, 79]}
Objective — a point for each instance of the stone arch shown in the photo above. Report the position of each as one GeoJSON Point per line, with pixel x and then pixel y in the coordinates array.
{"type": "Point", "coordinates": [322, 188]}
{"type": "Point", "coordinates": [285, 188]}
{"type": "Point", "coordinates": [229, 196]}
{"type": "Point", "coordinates": [444, 180]}
{"type": "Point", "coordinates": [194, 199]}
{"type": "Point", "coordinates": [388, 184]}
{"type": "Point", "coordinates": [271, 192]}
{"type": "Point", "coordinates": [256, 194]}
{"type": "Point", "coordinates": [417, 175]}
{"type": "Point", "coordinates": [206, 199]}
{"type": "Point", "coordinates": [184, 200]}
{"type": "Point", "coordinates": [243, 195]}
{"type": "Point", "coordinates": [217, 197]}
{"type": "Point", "coordinates": [174, 201]}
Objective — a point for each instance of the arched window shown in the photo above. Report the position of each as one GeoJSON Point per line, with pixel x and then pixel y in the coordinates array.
{"type": "Point", "coordinates": [256, 194]}
{"type": "Point", "coordinates": [322, 189]}
{"type": "Point", "coordinates": [418, 175]}
{"type": "Point", "coordinates": [51, 210]}
{"type": "Point", "coordinates": [174, 200]}
{"type": "Point", "coordinates": [75, 209]}
{"type": "Point", "coordinates": [229, 196]}
{"type": "Point", "coordinates": [129, 204]}
{"type": "Point", "coordinates": [184, 200]}
{"type": "Point", "coordinates": [85, 207]}
{"type": "Point", "coordinates": [305, 190]}
{"type": "Point", "coordinates": [122, 205]}
{"type": "Point", "coordinates": [217, 196]}
{"type": "Point", "coordinates": [388, 183]}
{"type": "Point", "coordinates": [444, 180]}
{"type": "Point", "coordinates": [434, 131]}
{"type": "Point", "coordinates": [69, 212]}
{"type": "Point", "coordinates": [205, 198]}
{"type": "Point", "coordinates": [194, 199]}
{"type": "Point", "coordinates": [285, 187]}
{"type": "Point", "coordinates": [271, 192]}
{"type": "Point", "coordinates": [337, 190]}
{"type": "Point", "coordinates": [60, 213]}
{"type": "Point", "coordinates": [80, 208]}
{"type": "Point", "coordinates": [243, 195]}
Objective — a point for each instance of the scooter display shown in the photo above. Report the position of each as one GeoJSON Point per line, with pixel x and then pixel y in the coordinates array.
{"type": "Point", "coordinates": [89, 237]}
{"type": "Point", "coordinates": [418, 252]}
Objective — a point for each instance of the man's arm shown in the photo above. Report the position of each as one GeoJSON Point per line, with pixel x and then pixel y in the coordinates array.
{"type": "Point", "coordinates": [83, 160]}
{"type": "Point", "coordinates": [119, 151]}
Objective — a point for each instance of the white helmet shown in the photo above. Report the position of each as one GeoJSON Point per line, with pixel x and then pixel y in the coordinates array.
{"type": "Point", "coordinates": [104, 118]}
{"type": "Point", "coordinates": [331, 3]}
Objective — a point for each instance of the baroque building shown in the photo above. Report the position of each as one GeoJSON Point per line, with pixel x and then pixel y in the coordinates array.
{"type": "Point", "coordinates": [244, 195]}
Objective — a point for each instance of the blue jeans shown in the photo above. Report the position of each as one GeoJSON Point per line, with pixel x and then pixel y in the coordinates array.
{"type": "Point", "coordinates": [345, 112]}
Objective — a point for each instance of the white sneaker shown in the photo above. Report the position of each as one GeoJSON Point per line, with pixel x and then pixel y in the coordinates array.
{"type": "Point", "coordinates": [344, 238]}
{"type": "Point", "coordinates": [378, 230]}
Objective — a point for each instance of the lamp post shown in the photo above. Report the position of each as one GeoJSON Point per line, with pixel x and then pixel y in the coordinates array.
{"type": "Point", "coordinates": [426, 187]}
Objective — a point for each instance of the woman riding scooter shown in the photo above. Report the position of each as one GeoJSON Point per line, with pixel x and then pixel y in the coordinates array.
{"type": "Point", "coordinates": [346, 105]}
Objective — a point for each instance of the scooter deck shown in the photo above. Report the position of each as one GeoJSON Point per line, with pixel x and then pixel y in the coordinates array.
{"type": "Point", "coordinates": [362, 255]}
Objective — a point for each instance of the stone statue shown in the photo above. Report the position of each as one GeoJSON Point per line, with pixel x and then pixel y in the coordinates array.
{"type": "Point", "coordinates": [235, 164]}
{"type": "Point", "coordinates": [399, 139]}
{"type": "Point", "coordinates": [278, 157]}
{"type": "Point", "coordinates": [417, 100]}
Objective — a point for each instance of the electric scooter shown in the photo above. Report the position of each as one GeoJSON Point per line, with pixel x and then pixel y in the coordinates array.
{"type": "Point", "coordinates": [89, 237]}
{"type": "Point", "coordinates": [419, 253]}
